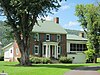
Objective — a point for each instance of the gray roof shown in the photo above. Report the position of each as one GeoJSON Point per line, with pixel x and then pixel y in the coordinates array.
{"type": "Point", "coordinates": [10, 44]}
{"type": "Point", "coordinates": [75, 37]}
{"type": "Point", "coordinates": [48, 27]}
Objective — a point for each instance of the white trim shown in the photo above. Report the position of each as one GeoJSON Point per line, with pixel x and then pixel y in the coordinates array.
{"type": "Point", "coordinates": [46, 37]}
{"type": "Point", "coordinates": [59, 37]}
{"type": "Point", "coordinates": [48, 51]}
{"type": "Point", "coordinates": [36, 37]}
{"type": "Point", "coordinates": [37, 49]}
{"type": "Point", "coordinates": [57, 51]}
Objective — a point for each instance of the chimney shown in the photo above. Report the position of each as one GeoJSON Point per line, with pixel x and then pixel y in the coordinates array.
{"type": "Point", "coordinates": [56, 20]}
{"type": "Point", "coordinates": [81, 34]}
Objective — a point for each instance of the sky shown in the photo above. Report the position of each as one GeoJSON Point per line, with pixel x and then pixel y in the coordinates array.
{"type": "Point", "coordinates": [66, 14]}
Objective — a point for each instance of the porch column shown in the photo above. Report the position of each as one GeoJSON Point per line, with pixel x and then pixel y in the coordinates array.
{"type": "Point", "coordinates": [46, 50]}
{"type": "Point", "coordinates": [55, 52]}
{"type": "Point", "coordinates": [49, 50]}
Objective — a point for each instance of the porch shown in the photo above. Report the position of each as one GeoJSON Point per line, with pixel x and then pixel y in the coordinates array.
{"type": "Point", "coordinates": [50, 49]}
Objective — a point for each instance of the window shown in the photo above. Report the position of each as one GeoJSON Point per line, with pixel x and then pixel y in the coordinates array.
{"type": "Point", "coordinates": [36, 36]}
{"type": "Point", "coordinates": [78, 47]}
{"type": "Point", "coordinates": [17, 51]}
{"type": "Point", "coordinates": [47, 37]}
{"type": "Point", "coordinates": [59, 49]}
{"type": "Point", "coordinates": [36, 49]}
{"type": "Point", "coordinates": [10, 51]}
{"type": "Point", "coordinates": [72, 47]}
{"type": "Point", "coordinates": [58, 37]}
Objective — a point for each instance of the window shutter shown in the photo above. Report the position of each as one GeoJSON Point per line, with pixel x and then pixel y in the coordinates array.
{"type": "Point", "coordinates": [55, 37]}
{"type": "Point", "coordinates": [44, 37]}
{"type": "Point", "coordinates": [50, 37]}
{"type": "Point", "coordinates": [60, 37]}
{"type": "Point", "coordinates": [61, 50]}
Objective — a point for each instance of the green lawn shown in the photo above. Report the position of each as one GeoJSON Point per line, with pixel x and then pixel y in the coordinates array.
{"type": "Point", "coordinates": [39, 69]}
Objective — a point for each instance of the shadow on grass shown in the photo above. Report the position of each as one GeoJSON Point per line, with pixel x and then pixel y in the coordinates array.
{"type": "Point", "coordinates": [63, 66]}
{"type": "Point", "coordinates": [91, 68]}
{"type": "Point", "coordinates": [59, 66]}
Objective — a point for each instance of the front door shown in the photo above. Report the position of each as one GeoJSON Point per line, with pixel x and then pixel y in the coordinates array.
{"type": "Point", "coordinates": [52, 51]}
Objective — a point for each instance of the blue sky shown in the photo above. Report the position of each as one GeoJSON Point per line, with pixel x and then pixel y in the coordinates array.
{"type": "Point", "coordinates": [66, 13]}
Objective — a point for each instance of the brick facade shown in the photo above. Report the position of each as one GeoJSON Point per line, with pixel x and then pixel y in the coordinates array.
{"type": "Point", "coordinates": [42, 38]}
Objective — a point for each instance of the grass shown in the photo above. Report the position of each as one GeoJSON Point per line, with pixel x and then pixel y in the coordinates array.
{"type": "Point", "coordinates": [39, 69]}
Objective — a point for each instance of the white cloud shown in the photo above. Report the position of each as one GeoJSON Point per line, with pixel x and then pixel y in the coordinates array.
{"type": "Point", "coordinates": [73, 23]}
{"type": "Point", "coordinates": [65, 7]}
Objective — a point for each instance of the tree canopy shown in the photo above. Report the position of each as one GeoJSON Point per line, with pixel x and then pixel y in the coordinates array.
{"type": "Point", "coordinates": [89, 17]}
{"type": "Point", "coordinates": [22, 16]}
{"type": "Point", "coordinates": [5, 34]}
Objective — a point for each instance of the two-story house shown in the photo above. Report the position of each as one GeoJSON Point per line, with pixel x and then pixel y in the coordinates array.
{"type": "Point", "coordinates": [48, 40]}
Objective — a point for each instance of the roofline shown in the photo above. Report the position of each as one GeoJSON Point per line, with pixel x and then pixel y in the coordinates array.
{"type": "Point", "coordinates": [7, 45]}
{"type": "Point", "coordinates": [49, 32]}
{"type": "Point", "coordinates": [77, 40]}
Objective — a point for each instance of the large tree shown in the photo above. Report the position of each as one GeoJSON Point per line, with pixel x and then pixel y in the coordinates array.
{"type": "Point", "coordinates": [22, 16]}
{"type": "Point", "coordinates": [89, 17]}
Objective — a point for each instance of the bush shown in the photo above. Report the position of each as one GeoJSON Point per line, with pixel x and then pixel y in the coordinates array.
{"type": "Point", "coordinates": [1, 58]}
{"type": "Point", "coordinates": [65, 60]}
{"type": "Point", "coordinates": [46, 60]}
{"type": "Point", "coordinates": [89, 55]}
{"type": "Point", "coordinates": [37, 60]}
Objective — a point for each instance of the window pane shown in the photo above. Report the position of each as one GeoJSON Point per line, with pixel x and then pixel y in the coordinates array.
{"type": "Point", "coordinates": [47, 37]}
{"type": "Point", "coordinates": [72, 47]}
{"type": "Point", "coordinates": [36, 49]}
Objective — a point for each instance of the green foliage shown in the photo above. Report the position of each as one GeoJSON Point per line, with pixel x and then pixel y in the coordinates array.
{"type": "Point", "coordinates": [5, 34]}
{"type": "Point", "coordinates": [1, 58]}
{"type": "Point", "coordinates": [37, 60]}
{"type": "Point", "coordinates": [65, 60]}
{"type": "Point", "coordinates": [89, 17]}
{"type": "Point", "coordinates": [22, 16]}
{"type": "Point", "coordinates": [89, 55]}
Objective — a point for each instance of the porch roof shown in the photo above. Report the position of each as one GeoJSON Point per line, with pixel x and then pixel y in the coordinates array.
{"type": "Point", "coordinates": [75, 37]}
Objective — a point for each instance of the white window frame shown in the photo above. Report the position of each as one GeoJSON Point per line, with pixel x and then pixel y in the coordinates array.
{"type": "Point", "coordinates": [58, 39]}
{"type": "Point", "coordinates": [37, 49]}
{"type": "Point", "coordinates": [17, 51]}
{"type": "Point", "coordinates": [36, 36]}
{"type": "Point", "coordinates": [81, 49]}
{"type": "Point", "coordinates": [46, 37]}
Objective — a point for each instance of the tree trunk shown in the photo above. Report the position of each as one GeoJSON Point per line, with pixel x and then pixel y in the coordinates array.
{"type": "Point", "coordinates": [24, 59]}
{"type": "Point", "coordinates": [95, 58]}
{"type": "Point", "coordinates": [24, 47]}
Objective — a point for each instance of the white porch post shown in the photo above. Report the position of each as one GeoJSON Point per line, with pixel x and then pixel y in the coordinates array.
{"type": "Point", "coordinates": [49, 50]}
{"type": "Point", "coordinates": [46, 50]}
{"type": "Point", "coordinates": [43, 50]}
{"type": "Point", "coordinates": [57, 50]}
